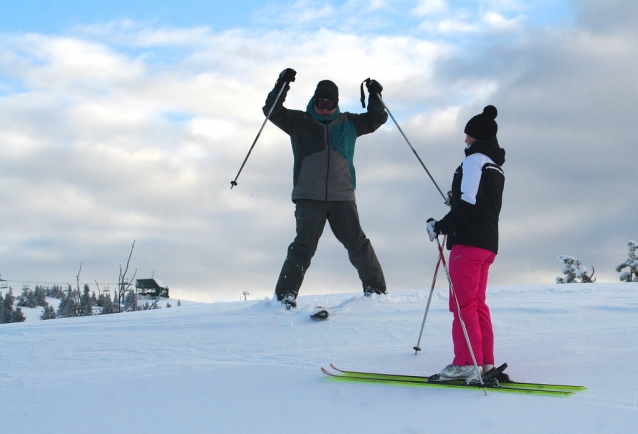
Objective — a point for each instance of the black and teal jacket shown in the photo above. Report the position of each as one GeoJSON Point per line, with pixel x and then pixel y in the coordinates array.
{"type": "Point", "coordinates": [323, 146]}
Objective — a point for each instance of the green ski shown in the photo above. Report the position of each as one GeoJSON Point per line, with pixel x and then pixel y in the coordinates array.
{"type": "Point", "coordinates": [410, 380]}
{"type": "Point", "coordinates": [502, 383]}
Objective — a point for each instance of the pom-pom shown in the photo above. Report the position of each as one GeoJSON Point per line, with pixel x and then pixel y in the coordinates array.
{"type": "Point", "coordinates": [490, 111]}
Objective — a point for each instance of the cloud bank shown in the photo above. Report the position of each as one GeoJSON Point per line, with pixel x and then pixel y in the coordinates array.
{"type": "Point", "coordinates": [127, 131]}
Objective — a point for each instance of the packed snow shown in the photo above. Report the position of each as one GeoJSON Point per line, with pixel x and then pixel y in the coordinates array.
{"type": "Point", "coordinates": [254, 367]}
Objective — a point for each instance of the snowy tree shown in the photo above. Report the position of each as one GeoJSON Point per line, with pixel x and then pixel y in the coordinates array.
{"type": "Point", "coordinates": [631, 264]}
{"type": "Point", "coordinates": [62, 308]}
{"type": "Point", "coordinates": [55, 292]}
{"type": "Point", "coordinates": [85, 302]}
{"type": "Point", "coordinates": [7, 309]}
{"type": "Point", "coordinates": [69, 306]}
{"type": "Point", "coordinates": [107, 305]}
{"type": "Point", "coordinates": [72, 305]}
{"type": "Point", "coordinates": [574, 271]}
{"type": "Point", "coordinates": [49, 313]}
{"type": "Point", "coordinates": [17, 315]}
{"type": "Point", "coordinates": [27, 299]}
{"type": "Point", "coordinates": [33, 302]}
{"type": "Point", "coordinates": [40, 296]}
{"type": "Point", "coordinates": [2, 319]}
{"type": "Point", "coordinates": [130, 301]}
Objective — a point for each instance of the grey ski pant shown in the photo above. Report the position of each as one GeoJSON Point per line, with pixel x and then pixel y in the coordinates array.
{"type": "Point", "coordinates": [311, 216]}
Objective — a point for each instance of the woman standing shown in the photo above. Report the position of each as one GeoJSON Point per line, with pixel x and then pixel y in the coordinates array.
{"type": "Point", "coordinates": [471, 227]}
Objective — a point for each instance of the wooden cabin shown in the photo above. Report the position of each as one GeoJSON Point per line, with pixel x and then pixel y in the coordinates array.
{"type": "Point", "coordinates": [151, 287]}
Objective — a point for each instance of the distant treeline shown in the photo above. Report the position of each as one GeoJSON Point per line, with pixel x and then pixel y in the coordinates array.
{"type": "Point", "coordinates": [73, 303]}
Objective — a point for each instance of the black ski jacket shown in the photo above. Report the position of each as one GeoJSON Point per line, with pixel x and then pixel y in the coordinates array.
{"type": "Point", "coordinates": [476, 198]}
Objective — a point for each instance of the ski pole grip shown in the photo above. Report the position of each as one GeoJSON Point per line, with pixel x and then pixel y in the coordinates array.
{"type": "Point", "coordinates": [363, 95]}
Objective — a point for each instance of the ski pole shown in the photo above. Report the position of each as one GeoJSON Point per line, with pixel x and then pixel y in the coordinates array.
{"type": "Point", "coordinates": [410, 144]}
{"type": "Point", "coordinates": [233, 183]}
{"type": "Point", "coordinates": [458, 307]}
{"type": "Point", "coordinates": [417, 348]}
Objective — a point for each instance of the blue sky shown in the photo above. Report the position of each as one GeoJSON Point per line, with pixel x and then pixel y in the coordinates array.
{"type": "Point", "coordinates": [53, 16]}
{"type": "Point", "coordinates": [124, 121]}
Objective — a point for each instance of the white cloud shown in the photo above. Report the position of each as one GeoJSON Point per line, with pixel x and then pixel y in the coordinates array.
{"type": "Point", "coordinates": [505, 5]}
{"type": "Point", "coordinates": [299, 13]}
{"type": "Point", "coordinates": [125, 131]}
{"type": "Point", "coordinates": [430, 7]}
{"type": "Point", "coordinates": [212, 128]}
{"type": "Point", "coordinates": [497, 21]}
{"type": "Point", "coordinates": [450, 26]}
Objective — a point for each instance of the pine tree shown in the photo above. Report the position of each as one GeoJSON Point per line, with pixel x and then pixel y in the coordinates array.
{"type": "Point", "coordinates": [130, 301]}
{"type": "Point", "coordinates": [631, 263]}
{"type": "Point", "coordinates": [22, 299]}
{"type": "Point", "coordinates": [49, 313]}
{"type": "Point", "coordinates": [17, 315]}
{"type": "Point", "coordinates": [2, 316]}
{"type": "Point", "coordinates": [68, 305]}
{"type": "Point", "coordinates": [72, 306]}
{"type": "Point", "coordinates": [27, 299]}
{"type": "Point", "coordinates": [31, 300]}
{"type": "Point", "coordinates": [107, 306]}
{"type": "Point", "coordinates": [9, 299]}
{"type": "Point", "coordinates": [573, 271]}
{"type": "Point", "coordinates": [55, 292]}
{"type": "Point", "coordinates": [40, 296]}
{"type": "Point", "coordinates": [62, 308]}
{"type": "Point", "coordinates": [85, 302]}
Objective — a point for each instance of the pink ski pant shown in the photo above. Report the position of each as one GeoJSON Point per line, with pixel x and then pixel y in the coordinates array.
{"type": "Point", "coordinates": [469, 268]}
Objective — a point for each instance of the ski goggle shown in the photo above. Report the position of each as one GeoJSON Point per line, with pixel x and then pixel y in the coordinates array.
{"type": "Point", "coordinates": [325, 104]}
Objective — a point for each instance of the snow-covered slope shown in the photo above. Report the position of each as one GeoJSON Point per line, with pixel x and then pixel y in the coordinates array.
{"type": "Point", "coordinates": [251, 367]}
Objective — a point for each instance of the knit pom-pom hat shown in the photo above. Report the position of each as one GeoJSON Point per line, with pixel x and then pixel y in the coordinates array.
{"type": "Point", "coordinates": [483, 126]}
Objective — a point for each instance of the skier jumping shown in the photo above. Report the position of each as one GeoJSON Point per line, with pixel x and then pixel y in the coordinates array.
{"type": "Point", "coordinates": [323, 140]}
{"type": "Point", "coordinates": [472, 230]}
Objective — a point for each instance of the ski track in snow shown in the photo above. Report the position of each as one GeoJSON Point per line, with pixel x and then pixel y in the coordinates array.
{"type": "Point", "coordinates": [253, 366]}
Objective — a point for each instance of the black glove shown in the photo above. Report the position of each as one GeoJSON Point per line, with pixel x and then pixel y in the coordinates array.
{"type": "Point", "coordinates": [374, 87]}
{"type": "Point", "coordinates": [286, 76]}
